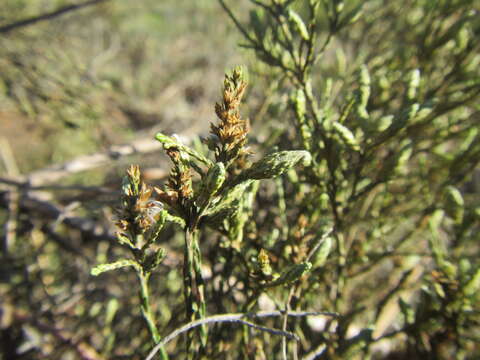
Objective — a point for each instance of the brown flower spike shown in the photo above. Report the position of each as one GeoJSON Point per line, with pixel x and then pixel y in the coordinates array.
{"type": "Point", "coordinates": [232, 131]}
{"type": "Point", "coordinates": [178, 191]}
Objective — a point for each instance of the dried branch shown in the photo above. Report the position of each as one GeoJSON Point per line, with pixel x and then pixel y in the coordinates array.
{"type": "Point", "coordinates": [11, 223]}
{"type": "Point", "coordinates": [48, 16]}
{"type": "Point", "coordinates": [318, 243]}
{"type": "Point", "coordinates": [85, 162]}
{"type": "Point", "coordinates": [49, 211]}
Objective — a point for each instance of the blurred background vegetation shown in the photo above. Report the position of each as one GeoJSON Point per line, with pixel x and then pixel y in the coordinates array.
{"type": "Point", "coordinates": [94, 76]}
{"type": "Point", "coordinates": [75, 88]}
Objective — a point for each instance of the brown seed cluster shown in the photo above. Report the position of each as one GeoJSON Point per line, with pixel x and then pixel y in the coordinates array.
{"type": "Point", "coordinates": [139, 211]}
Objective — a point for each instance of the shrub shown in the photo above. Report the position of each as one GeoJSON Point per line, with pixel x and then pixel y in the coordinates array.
{"type": "Point", "coordinates": [345, 226]}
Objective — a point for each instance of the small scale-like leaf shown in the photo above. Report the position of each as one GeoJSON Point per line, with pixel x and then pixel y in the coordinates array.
{"type": "Point", "coordinates": [454, 203]}
{"type": "Point", "coordinates": [323, 252]}
{"type": "Point", "coordinates": [299, 24]}
{"type": "Point", "coordinates": [300, 103]}
{"type": "Point", "coordinates": [363, 93]}
{"type": "Point", "coordinates": [157, 227]}
{"type": "Point", "coordinates": [346, 110]}
{"type": "Point", "coordinates": [346, 135]}
{"type": "Point", "coordinates": [298, 100]}
{"type": "Point", "coordinates": [112, 308]}
{"type": "Point", "coordinates": [413, 84]}
{"type": "Point", "coordinates": [436, 247]}
{"type": "Point", "coordinates": [339, 7]}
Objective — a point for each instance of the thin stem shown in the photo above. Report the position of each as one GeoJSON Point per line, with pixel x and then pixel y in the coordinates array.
{"type": "Point", "coordinates": [237, 318]}
{"type": "Point", "coordinates": [320, 241]}
{"type": "Point", "coordinates": [188, 282]}
{"type": "Point", "coordinates": [200, 283]}
{"type": "Point", "coordinates": [194, 286]}
{"type": "Point", "coordinates": [341, 278]}
{"type": "Point", "coordinates": [258, 45]}
{"type": "Point", "coordinates": [148, 313]}
{"type": "Point", "coordinates": [285, 321]}
{"type": "Point", "coordinates": [292, 291]}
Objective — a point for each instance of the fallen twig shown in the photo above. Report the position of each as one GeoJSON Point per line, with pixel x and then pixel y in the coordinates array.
{"type": "Point", "coordinates": [237, 318]}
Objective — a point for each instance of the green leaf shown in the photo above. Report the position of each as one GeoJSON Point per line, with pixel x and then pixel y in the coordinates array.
{"type": "Point", "coordinates": [112, 308]}
{"type": "Point", "coordinates": [212, 183]}
{"type": "Point", "coordinates": [97, 270]}
{"type": "Point", "coordinates": [175, 219]}
{"type": "Point", "coordinates": [170, 142]}
{"type": "Point", "coordinates": [351, 16]}
{"type": "Point", "coordinates": [473, 285]}
{"type": "Point", "coordinates": [123, 239]}
{"type": "Point", "coordinates": [407, 311]}
{"type": "Point", "coordinates": [298, 100]}
{"type": "Point", "coordinates": [292, 273]}
{"type": "Point", "coordinates": [454, 204]}
{"type": "Point", "coordinates": [275, 164]}
{"type": "Point", "coordinates": [436, 247]}
{"type": "Point", "coordinates": [228, 203]}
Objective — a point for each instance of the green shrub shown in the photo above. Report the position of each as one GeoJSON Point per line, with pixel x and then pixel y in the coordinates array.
{"type": "Point", "coordinates": [347, 229]}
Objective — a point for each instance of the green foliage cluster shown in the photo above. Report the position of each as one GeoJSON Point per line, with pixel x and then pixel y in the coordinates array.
{"type": "Point", "coordinates": [348, 229]}
{"type": "Point", "coordinates": [221, 197]}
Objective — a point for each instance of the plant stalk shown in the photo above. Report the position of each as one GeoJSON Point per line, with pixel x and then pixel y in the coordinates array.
{"type": "Point", "coordinates": [194, 287]}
